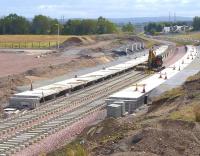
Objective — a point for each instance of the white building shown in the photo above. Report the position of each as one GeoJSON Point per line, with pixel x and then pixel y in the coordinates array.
{"type": "Point", "coordinates": [166, 29]}
{"type": "Point", "coordinates": [176, 29]}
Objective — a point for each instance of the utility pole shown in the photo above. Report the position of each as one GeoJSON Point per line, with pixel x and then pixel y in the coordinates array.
{"type": "Point", "coordinates": [174, 17]}
{"type": "Point", "coordinates": [58, 36]}
{"type": "Point", "coordinates": [169, 17]}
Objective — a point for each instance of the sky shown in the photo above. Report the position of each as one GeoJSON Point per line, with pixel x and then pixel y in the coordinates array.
{"type": "Point", "coordinates": [96, 8]}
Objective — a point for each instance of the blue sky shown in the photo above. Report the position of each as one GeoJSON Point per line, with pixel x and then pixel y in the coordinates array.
{"type": "Point", "coordinates": [96, 8]}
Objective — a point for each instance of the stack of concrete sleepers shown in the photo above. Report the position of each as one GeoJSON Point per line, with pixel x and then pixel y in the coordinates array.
{"type": "Point", "coordinates": [116, 109]}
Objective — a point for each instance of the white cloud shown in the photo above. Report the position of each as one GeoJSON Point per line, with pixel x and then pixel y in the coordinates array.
{"type": "Point", "coordinates": [49, 7]}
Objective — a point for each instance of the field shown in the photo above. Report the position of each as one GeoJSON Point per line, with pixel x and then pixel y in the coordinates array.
{"type": "Point", "coordinates": [192, 35]}
{"type": "Point", "coordinates": [184, 39]}
{"type": "Point", "coordinates": [35, 41]}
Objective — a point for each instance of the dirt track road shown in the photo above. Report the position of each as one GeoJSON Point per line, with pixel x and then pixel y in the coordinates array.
{"type": "Point", "coordinates": [15, 63]}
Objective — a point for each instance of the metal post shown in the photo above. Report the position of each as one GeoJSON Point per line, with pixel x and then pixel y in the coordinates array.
{"type": "Point", "coordinates": [58, 37]}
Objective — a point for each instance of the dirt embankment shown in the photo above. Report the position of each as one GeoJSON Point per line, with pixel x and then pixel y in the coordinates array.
{"type": "Point", "coordinates": [171, 127]}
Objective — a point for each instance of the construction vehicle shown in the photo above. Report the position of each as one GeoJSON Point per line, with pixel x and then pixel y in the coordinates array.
{"type": "Point", "coordinates": [153, 64]}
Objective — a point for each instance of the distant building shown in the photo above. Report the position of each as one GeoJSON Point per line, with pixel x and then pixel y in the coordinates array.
{"type": "Point", "coordinates": [176, 29]}
{"type": "Point", "coordinates": [166, 30]}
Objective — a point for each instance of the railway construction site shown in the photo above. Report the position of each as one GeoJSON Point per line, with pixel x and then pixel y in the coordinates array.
{"type": "Point", "coordinates": [58, 112]}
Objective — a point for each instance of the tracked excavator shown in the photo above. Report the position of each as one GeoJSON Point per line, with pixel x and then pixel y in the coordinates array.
{"type": "Point", "coordinates": [153, 64]}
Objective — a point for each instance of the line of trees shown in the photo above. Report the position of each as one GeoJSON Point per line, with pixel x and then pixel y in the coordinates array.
{"type": "Point", "coordinates": [88, 26]}
{"type": "Point", "coordinates": [196, 23]}
{"type": "Point", "coordinates": [153, 28]}
{"type": "Point", "coordinates": [14, 24]}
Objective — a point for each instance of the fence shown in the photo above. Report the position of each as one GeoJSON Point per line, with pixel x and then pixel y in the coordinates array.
{"type": "Point", "coordinates": [29, 45]}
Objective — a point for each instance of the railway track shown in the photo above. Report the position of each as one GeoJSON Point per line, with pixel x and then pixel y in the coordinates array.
{"type": "Point", "coordinates": [53, 109]}
{"type": "Point", "coordinates": [58, 110]}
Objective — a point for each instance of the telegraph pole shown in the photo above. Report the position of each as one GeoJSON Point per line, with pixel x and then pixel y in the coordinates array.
{"type": "Point", "coordinates": [58, 36]}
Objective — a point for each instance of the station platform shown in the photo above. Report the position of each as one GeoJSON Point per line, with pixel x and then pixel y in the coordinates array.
{"type": "Point", "coordinates": [137, 94]}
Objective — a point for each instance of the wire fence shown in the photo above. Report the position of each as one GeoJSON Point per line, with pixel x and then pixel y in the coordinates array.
{"type": "Point", "coordinates": [29, 45]}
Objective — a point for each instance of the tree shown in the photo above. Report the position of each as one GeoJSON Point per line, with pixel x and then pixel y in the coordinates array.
{"type": "Point", "coordinates": [88, 27]}
{"type": "Point", "coordinates": [72, 27]}
{"type": "Point", "coordinates": [54, 26]}
{"type": "Point", "coordinates": [14, 24]}
{"type": "Point", "coordinates": [152, 28]}
{"type": "Point", "coordinates": [41, 25]}
{"type": "Point", "coordinates": [105, 27]}
{"type": "Point", "coordinates": [101, 25]}
{"type": "Point", "coordinates": [196, 23]}
{"type": "Point", "coordinates": [128, 28]}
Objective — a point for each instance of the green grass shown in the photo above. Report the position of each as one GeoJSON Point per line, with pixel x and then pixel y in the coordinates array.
{"type": "Point", "coordinates": [187, 113]}
{"type": "Point", "coordinates": [191, 35]}
{"type": "Point", "coordinates": [193, 78]}
{"type": "Point", "coordinates": [72, 149]}
{"type": "Point", "coordinates": [172, 94]}
{"type": "Point", "coordinates": [178, 38]}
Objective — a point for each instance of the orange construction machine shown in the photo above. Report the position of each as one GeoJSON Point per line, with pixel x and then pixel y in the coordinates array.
{"type": "Point", "coordinates": [154, 63]}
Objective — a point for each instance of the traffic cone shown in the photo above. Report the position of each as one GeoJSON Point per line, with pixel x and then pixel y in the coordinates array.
{"type": "Point", "coordinates": [136, 87]}
{"type": "Point", "coordinates": [143, 91]}
{"type": "Point", "coordinates": [160, 76]}
{"type": "Point", "coordinates": [31, 86]}
{"type": "Point", "coordinates": [165, 76]}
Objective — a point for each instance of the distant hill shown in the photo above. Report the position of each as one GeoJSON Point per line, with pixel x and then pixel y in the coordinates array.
{"type": "Point", "coordinates": [147, 19]}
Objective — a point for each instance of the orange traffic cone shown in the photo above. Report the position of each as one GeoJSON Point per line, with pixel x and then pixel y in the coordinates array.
{"type": "Point", "coordinates": [143, 91]}
{"type": "Point", "coordinates": [31, 86]}
{"type": "Point", "coordinates": [160, 76]}
{"type": "Point", "coordinates": [136, 87]}
{"type": "Point", "coordinates": [165, 76]}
